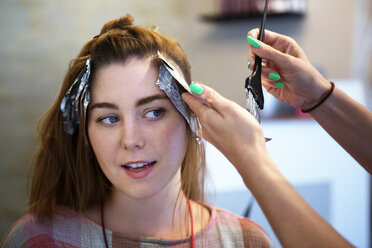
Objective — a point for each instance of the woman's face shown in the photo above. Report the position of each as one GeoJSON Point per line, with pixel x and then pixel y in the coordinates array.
{"type": "Point", "coordinates": [137, 135]}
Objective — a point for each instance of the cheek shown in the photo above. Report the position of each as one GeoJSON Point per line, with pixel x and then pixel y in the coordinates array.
{"type": "Point", "coordinates": [96, 146]}
{"type": "Point", "coordinates": [176, 138]}
{"type": "Point", "coordinates": [101, 144]}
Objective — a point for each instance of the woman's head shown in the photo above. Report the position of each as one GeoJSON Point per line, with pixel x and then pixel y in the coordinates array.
{"type": "Point", "coordinates": [66, 170]}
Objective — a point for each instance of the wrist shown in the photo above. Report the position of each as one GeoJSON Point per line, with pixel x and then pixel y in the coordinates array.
{"type": "Point", "coordinates": [315, 92]}
{"type": "Point", "coordinates": [254, 164]}
{"type": "Point", "coordinates": [330, 107]}
{"type": "Point", "coordinates": [324, 97]}
{"type": "Point", "coordinates": [260, 172]}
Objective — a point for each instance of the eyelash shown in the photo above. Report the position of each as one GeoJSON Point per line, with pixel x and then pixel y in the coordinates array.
{"type": "Point", "coordinates": [161, 110]}
{"type": "Point", "coordinates": [107, 118]}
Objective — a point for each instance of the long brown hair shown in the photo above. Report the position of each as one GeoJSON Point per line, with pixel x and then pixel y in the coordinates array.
{"type": "Point", "coordinates": [65, 171]}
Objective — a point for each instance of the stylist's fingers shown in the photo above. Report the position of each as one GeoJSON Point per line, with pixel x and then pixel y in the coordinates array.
{"type": "Point", "coordinates": [194, 104]}
{"type": "Point", "coordinates": [208, 105]}
{"type": "Point", "coordinates": [272, 77]}
{"type": "Point", "coordinates": [225, 124]}
{"type": "Point", "coordinates": [211, 98]}
{"type": "Point", "coordinates": [223, 108]}
{"type": "Point", "coordinates": [271, 38]}
{"type": "Point", "coordinates": [282, 43]}
{"type": "Point", "coordinates": [267, 52]}
{"type": "Point", "coordinates": [201, 110]}
{"type": "Point", "coordinates": [269, 72]}
{"type": "Point", "coordinates": [273, 88]}
{"type": "Point", "coordinates": [201, 107]}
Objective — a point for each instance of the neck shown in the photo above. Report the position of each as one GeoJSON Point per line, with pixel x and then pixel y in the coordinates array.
{"type": "Point", "coordinates": [167, 211]}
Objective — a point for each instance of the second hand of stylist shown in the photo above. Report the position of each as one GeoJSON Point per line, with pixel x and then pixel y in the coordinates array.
{"type": "Point", "coordinates": [238, 135]}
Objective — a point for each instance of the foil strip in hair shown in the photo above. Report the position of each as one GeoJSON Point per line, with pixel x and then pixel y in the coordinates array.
{"type": "Point", "coordinates": [76, 100]}
{"type": "Point", "coordinates": [168, 81]}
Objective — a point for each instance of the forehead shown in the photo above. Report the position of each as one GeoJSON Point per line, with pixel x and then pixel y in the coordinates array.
{"type": "Point", "coordinates": [135, 77]}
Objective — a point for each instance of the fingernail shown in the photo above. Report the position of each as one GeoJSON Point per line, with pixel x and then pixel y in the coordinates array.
{"type": "Point", "coordinates": [249, 63]}
{"type": "Point", "coordinates": [279, 84]}
{"type": "Point", "coordinates": [196, 89]}
{"type": "Point", "coordinates": [255, 43]}
{"type": "Point", "coordinates": [274, 76]}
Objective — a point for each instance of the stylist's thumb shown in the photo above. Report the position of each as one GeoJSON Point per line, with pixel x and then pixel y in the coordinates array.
{"type": "Point", "coordinates": [209, 98]}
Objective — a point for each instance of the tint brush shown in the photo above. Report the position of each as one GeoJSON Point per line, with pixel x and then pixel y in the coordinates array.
{"type": "Point", "coordinates": [253, 85]}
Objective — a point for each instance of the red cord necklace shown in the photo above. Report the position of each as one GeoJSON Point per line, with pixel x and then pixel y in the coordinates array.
{"type": "Point", "coordinates": [191, 220]}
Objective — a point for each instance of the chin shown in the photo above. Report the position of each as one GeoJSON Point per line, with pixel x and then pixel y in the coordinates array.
{"type": "Point", "coordinates": [167, 185]}
{"type": "Point", "coordinates": [142, 192]}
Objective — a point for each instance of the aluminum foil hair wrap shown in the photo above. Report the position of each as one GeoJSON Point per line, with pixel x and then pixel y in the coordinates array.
{"type": "Point", "coordinates": [168, 81]}
{"type": "Point", "coordinates": [76, 101]}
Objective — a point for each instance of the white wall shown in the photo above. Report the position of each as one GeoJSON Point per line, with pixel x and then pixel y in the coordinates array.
{"type": "Point", "coordinates": [362, 47]}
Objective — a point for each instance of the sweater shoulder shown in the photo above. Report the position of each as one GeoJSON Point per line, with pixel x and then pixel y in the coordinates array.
{"type": "Point", "coordinates": [62, 229]}
{"type": "Point", "coordinates": [251, 233]}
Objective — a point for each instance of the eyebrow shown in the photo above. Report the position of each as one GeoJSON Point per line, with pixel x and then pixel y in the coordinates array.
{"type": "Point", "coordinates": [149, 99]}
{"type": "Point", "coordinates": [104, 105]}
{"type": "Point", "coordinates": [140, 102]}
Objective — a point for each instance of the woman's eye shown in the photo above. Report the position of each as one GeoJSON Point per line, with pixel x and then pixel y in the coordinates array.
{"type": "Point", "coordinates": [154, 114]}
{"type": "Point", "coordinates": [109, 120]}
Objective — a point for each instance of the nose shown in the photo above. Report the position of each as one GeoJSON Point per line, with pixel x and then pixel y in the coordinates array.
{"type": "Point", "coordinates": [132, 138]}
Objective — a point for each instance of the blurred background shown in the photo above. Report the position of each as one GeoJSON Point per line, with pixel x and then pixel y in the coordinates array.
{"type": "Point", "coordinates": [39, 38]}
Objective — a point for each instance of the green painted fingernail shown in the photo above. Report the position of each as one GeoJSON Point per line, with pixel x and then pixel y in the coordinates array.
{"type": "Point", "coordinates": [249, 63]}
{"type": "Point", "coordinates": [279, 84]}
{"type": "Point", "coordinates": [255, 43]}
{"type": "Point", "coordinates": [274, 76]}
{"type": "Point", "coordinates": [196, 89]}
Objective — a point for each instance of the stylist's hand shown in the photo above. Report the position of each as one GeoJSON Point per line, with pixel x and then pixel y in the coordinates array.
{"type": "Point", "coordinates": [303, 84]}
{"type": "Point", "coordinates": [228, 126]}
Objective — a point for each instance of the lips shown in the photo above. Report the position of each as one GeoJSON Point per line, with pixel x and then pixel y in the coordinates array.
{"type": "Point", "coordinates": [139, 169]}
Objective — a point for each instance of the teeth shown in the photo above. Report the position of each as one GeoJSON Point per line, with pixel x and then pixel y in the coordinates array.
{"type": "Point", "coordinates": [137, 165]}
{"type": "Point", "coordinates": [134, 166]}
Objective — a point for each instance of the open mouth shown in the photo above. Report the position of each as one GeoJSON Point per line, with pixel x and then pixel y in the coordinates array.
{"type": "Point", "coordinates": [137, 167]}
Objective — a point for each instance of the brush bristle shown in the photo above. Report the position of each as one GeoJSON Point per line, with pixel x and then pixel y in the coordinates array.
{"type": "Point", "coordinates": [252, 106]}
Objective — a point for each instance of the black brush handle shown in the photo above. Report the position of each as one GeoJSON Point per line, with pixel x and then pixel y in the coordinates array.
{"type": "Point", "coordinates": [261, 37]}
